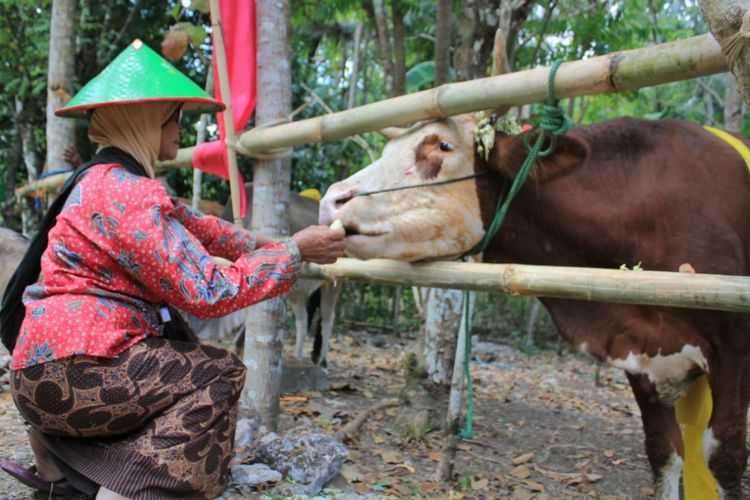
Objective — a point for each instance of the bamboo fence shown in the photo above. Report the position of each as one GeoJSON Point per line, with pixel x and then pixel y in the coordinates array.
{"type": "Point", "coordinates": [616, 72]}
{"type": "Point", "coordinates": [697, 291]}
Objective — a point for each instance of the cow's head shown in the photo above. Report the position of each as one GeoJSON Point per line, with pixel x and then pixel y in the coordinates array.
{"type": "Point", "coordinates": [433, 222]}
{"type": "Point", "coordinates": [417, 223]}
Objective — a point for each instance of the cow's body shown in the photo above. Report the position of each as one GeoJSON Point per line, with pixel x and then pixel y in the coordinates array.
{"type": "Point", "coordinates": [620, 192]}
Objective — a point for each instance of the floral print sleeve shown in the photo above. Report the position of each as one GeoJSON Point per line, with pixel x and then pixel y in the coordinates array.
{"type": "Point", "coordinates": [159, 251]}
{"type": "Point", "coordinates": [220, 237]}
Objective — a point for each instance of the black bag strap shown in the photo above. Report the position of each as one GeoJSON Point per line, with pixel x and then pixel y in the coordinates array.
{"type": "Point", "coordinates": [27, 272]}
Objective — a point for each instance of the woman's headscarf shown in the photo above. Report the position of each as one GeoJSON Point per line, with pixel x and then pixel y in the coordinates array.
{"type": "Point", "coordinates": [134, 128]}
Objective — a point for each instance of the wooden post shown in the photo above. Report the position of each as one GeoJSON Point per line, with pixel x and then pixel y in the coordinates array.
{"type": "Point", "coordinates": [221, 65]}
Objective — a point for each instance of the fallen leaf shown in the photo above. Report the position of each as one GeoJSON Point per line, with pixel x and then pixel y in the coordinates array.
{"type": "Point", "coordinates": [407, 467]}
{"type": "Point", "coordinates": [480, 485]}
{"type": "Point", "coordinates": [533, 485]}
{"type": "Point", "coordinates": [464, 447]}
{"type": "Point", "coordinates": [289, 398]}
{"type": "Point", "coordinates": [646, 491]}
{"type": "Point", "coordinates": [353, 456]}
{"type": "Point", "coordinates": [391, 412]}
{"type": "Point", "coordinates": [314, 394]}
{"type": "Point", "coordinates": [522, 459]}
{"type": "Point", "coordinates": [388, 456]}
{"type": "Point", "coordinates": [434, 455]}
{"type": "Point", "coordinates": [609, 453]}
{"type": "Point", "coordinates": [521, 472]}
{"type": "Point", "coordinates": [583, 478]}
{"type": "Point", "coordinates": [362, 488]}
{"type": "Point", "coordinates": [351, 473]}
{"type": "Point", "coordinates": [522, 494]}
{"type": "Point", "coordinates": [377, 439]}
{"type": "Point", "coordinates": [428, 487]}
{"type": "Point", "coordinates": [521, 423]}
{"type": "Point", "coordinates": [368, 394]}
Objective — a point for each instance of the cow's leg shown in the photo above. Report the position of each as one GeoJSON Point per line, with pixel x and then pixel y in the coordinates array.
{"type": "Point", "coordinates": [299, 309]}
{"type": "Point", "coordinates": [663, 439]}
{"type": "Point", "coordinates": [328, 298]}
{"type": "Point", "coordinates": [724, 441]}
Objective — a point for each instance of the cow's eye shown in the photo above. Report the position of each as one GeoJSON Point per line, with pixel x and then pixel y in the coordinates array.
{"type": "Point", "coordinates": [445, 146]}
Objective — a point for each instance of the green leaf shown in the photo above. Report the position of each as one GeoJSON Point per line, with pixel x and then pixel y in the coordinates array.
{"type": "Point", "coordinates": [200, 5]}
{"type": "Point", "coordinates": [380, 486]}
{"type": "Point", "coordinates": [422, 76]}
{"type": "Point", "coordinates": [175, 12]}
{"type": "Point", "coordinates": [196, 33]}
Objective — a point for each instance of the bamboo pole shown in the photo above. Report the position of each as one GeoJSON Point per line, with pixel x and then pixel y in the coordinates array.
{"type": "Point", "coordinates": [697, 291]}
{"type": "Point", "coordinates": [229, 136]}
{"type": "Point", "coordinates": [46, 184]}
{"type": "Point", "coordinates": [615, 72]}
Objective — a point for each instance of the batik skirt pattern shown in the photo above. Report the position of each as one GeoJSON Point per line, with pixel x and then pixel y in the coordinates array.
{"type": "Point", "coordinates": [157, 421]}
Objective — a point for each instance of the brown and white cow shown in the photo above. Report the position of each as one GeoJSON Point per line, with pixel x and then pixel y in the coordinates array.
{"type": "Point", "coordinates": [620, 192]}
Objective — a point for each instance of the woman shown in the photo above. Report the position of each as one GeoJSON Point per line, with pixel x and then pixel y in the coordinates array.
{"type": "Point", "coordinates": [115, 408]}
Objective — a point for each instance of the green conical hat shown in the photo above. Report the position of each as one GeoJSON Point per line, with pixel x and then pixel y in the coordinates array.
{"type": "Point", "coordinates": [139, 75]}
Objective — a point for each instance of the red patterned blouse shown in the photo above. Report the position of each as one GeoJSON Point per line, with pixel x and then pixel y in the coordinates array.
{"type": "Point", "coordinates": [119, 249]}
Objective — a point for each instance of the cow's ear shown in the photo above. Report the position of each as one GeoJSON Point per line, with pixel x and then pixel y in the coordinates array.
{"type": "Point", "coordinates": [509, 153]}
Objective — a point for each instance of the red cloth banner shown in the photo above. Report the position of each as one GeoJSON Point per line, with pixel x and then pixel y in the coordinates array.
{"type": "Point", "coordinates": [238, 27]}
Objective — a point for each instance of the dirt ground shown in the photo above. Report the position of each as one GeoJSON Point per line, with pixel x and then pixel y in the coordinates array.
{"type": "Point", "coordinates": [542, 429]}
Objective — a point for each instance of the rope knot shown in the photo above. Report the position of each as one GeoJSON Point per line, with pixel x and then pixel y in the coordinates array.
{"type": "Point", "coordinates": [554, 121]}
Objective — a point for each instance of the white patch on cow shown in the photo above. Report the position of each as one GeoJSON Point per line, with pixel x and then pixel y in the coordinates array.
{"type": "Point", "coordinates": [710, 444]}
{"type": "Point", "coordinates": [584, 347]}
{"type": "Point", "coordinates": [668, 482]}
{"type": "Point", "coordinates": [668, 373]}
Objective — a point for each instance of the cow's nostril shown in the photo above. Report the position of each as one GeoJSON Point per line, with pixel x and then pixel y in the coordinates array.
{"type": "Point", "coordinates": [343, 199]}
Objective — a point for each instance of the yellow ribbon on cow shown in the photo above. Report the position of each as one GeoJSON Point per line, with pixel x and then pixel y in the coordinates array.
{"type": "Point", "coordinates": [311, 193]}
{"type": "Point", "coordinates": [693, 411]}
{"type": "Point", "coordinates": [733, 141]}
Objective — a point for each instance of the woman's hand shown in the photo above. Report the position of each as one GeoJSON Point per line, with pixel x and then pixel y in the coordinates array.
{"type": "Point", "coordinates": [320, 244]}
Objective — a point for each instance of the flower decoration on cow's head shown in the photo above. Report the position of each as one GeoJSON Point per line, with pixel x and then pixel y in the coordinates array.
{"type": "Point", "coordinates": [488, 126]}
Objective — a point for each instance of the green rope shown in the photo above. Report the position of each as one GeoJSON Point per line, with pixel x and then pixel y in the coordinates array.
{"type": "Point", "coordinates": [468, 432]}
{"type": "Point", "coordinates": [554, 123]}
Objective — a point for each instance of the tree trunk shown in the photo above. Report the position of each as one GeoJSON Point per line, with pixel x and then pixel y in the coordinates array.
{"type": "Point", "coordinates": [443, 41]}
{"type": "Point", "coordinates": [384, 42]}
{"type": "Point", "coordinates": [60, 131]}
{"type": "Point", "coordinates": [443, 314]}
{"type": "Point", "coordinates": [531, 321]}
{"type": "Point", "coordinates": [732, 105]}
{"type": "Point", "coordinates": [467, 26]}
{"type": "Point", "coordinates": [399, 49]}
{"type": "Point", "coordinates": [200, 139]}
{"type": "Point", "coordinates": [724, 18]}
{"type": "Point", "coordinates": [265, 324]}
{"type": "Point", "coordinates": [455, 402]}
{"type": "Point", "coordinates": [708, 100]}
{"type": "Point", "coordinates": [355, 66]}
{"type": "Point", "coordinates": [32, 162]}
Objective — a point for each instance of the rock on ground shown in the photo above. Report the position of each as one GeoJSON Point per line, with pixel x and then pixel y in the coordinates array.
{"type": "Point", "coordinates": [307, 456]}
